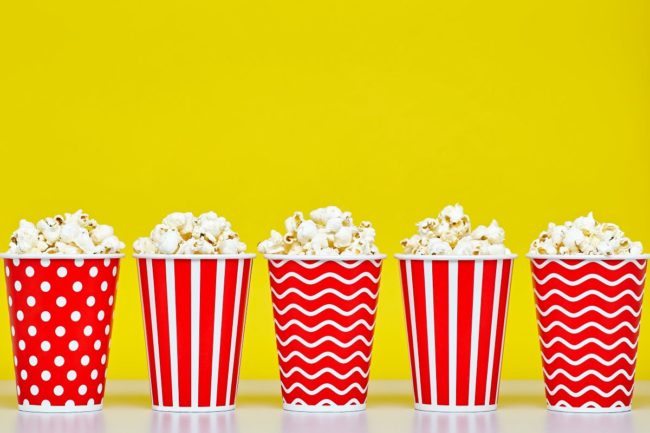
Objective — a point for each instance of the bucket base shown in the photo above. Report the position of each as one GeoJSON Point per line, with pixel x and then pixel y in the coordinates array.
{"type": "Point", "coordinates": [323, 409]}
{"type": "Point", "coordinates": [589, 409]}
{"type": "Point", "coordinates": [182, 409]}
{"type": "Point", "coordinates": [35, 408]}
{"type": "Point", "coordinates": [457, 409]}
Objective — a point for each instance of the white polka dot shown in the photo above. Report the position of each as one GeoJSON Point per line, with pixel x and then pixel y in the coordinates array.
{"type": "Point", "coordinates": [45, 262]}
{"type": "Point", "coordinates": [59, 331]}
{"type": "Point", "coordinates": [100, 315]}
{"type": "Point", "coordinates": [33, 361]}
{"type": "Point", "coordinates": [20, 315]}
{"type": "Point", "coordinates": [88, 330]}
{"type": "Point", "coordinates": [15, 360]}
{"type": "Point", "coordinates": [59, 361]}
{"type": "Point", "coordinates": [31, 301]}
{"type": "Point", "coordinates": [90, 301]}
{"type": "Point", "coordinates": [17, 390]}
{"type": "Point", "coordinates": [58, 390]}
{"type": "Point", "coordinates": [83, 389]}
{"type": "Point", "coordinates": [18, 286]}
{"type": "Point", "coordinates": [77, 286]}
{"type": "Point", "coordinates": [78, 262]}
{"type": "Point", "coordinates": [29, 271]}
{"type": "Point", "coordinates": [61, 301]}
{"type": "Point", "coordinates": [31, 330]}
{"type": "Point", "coordinates": [16, 262]}
{"type": "Point", "coordinates": [46, 316]}
{"type": "Point", "coordinates": [33, 389]}
{"type": "Point", "coordinates": [75, 316]}
{"type": "Point", "coordinates": [93, 271]}
{"type": "Point", "coordinates": [85, 360]}
{"type": "Point", "coordinates": [62, 272]}
{"type": "Point", "coordinates": [21, 344]}
{"type": "Point", "coordinates": [69, 403]}
{"type": "Point", "coordinates": [91, 402]}
{"type": "Point", "coordinates": [107, 330]}
{"type": "Point", "coordinates": [45, 403]}
{"type": "Point", "coordinates": [97, 345]}
{"type": "Point", "coordinates": [11, 301]}
{"type": "Point", "coordinates": [94, 374]}
{"type": "Point", "coordinates": [26, 402]}
{"type": "Point", "coordinates": [46, 346]}
{"type": "Point", "coordinates": [72, 375]}
{"type": "Point", "coordinates": [45, 286]}
{"type": "Point", "coordinates": [13, 331]}
{"type": "Point", "coordinates": [46, 375]}
{"type": "Point", "coordinates": [110, 300]}
{"type": "Point", "coordinates": [107, 262]}
{"type": "Point", "coordinates": [103, 359]}
{"type": "Point", "coordinates": [23, 374]}
{"type": "Point", "coordinates": [73, 345]}
{"type": "Point", "coordinates": [100, 388]}
{"type": "Point", "coordinates": [114, 270]}
{"type": "Point", "coordinates": [7, 271]}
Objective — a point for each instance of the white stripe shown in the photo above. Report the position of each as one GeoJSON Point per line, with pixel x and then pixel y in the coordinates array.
{"type": "Point", "coordinates": [196, 326]}
{"type": "Point", "coordinates": [505, 323]}
{"type": "Point", "coordinates": [144, 323]}
{"type": "Point", "coordinates": [235, 321]}
{"type": "Point", "coordinates": [414, 333]}
{"type": "Point", "coordinates": [243, 326]}
{"type": "Point", "coordinates": [493, 330]}
{"type": "Point", "coordinates": [476, 330]}
{"type": "Point", "coordinates": [453, 329]}
{"type": "Point", "coordinates": [216, 339]}
{"type": "Point", "coordinates": [154, 328]}
{"type": "Point", "coordinates": [171, 318]}
{"type": "Point", "coordinates": [431, 337]}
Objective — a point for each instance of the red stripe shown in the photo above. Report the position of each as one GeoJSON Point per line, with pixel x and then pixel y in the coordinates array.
{"type": "Point", "coordinates": [160, 291]}
{"type": "Point", "coordinates": [419, 304]}
{"type": "Point", "coordinates": [243, 299]}
{"type": "Point", "coordinates": [464, 328]}
{"type": "Point", "coordinates": [441, 316]}
{"type": "Point", "coordinates": [407, 312]}
{"type": "Point", "coordinates": [206, 331]}
{"type": "Point", "coordinates": [487, 299]}
{"type": "Point", "coordinates": [229, 286]}
{"type": "Point", "coordinates": [144, 287]}
{"type": "Point", "coordinates": [503, 309]}
{"type": "Point", "coordinates": [183, 329]}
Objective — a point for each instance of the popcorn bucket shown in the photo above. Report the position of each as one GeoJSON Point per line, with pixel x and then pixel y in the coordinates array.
{"type": "Point", "coordinates": [324, 310]}
{"type": "Point", "coordinates": [61, 312]}
{"type": "Point", "coordinates": [194, 308]}
{"type": "Point", "coordinates": [456, 310]}
{"type": "Point", "coordinates": [588, 313]}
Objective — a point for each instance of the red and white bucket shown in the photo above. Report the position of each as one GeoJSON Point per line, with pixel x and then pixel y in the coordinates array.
{"type": "Point", "coordinates": [61, 312]}
{"type": "Point", "coordinates": [324, 310]}
{"type": "Point", "coordinates": [194, 310]}
{"type": "Point", "coordinates": [588, 315]}
{"type": "Point", "coordinates": [456, 309]}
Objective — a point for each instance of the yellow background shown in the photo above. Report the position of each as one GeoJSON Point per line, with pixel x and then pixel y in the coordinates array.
{"type": "Point", "coordinates": [525, 112]}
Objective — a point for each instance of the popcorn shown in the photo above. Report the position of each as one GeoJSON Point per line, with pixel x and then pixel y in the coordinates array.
{"type": "Point", "coordinates": [584, 236]}
{"type": "Point", "coordinates": [183, 233]}
{"type": "Point", "coordinates": [451, 234]}
{"type": "Point", "coordinates": [73, 233]}
{"type": "Point", "coordinates": [329, 232]}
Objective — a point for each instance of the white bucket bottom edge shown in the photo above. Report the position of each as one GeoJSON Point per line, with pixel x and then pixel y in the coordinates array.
{"type": "Point", "coordinates": [36, 408]}
{"type": "Point", "coordinates": [589, 409]}
{"type": "Point", "coordinates": [323, 409]}
{"type": "Point", "coordinates": [454, 409]}
{"type": "Point", "coordinates": [183, 409]}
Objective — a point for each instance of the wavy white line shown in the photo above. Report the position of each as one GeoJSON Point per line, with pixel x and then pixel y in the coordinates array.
{"type": "Point", "coordinates": [323, 372]}
{"type": "Point", "coordinates": [542, 265]}
{"type": "Point", "coordinates": [326, 402]}
{"type": "Point", "coordinates": [279, 263]}
{"type": "Point", "coordinates": [590, 404]}
{"type": "Point", "coordinates": [322, 277]}
{"type": "Point", "coordinates": [587, 278]}
{"type": "Point", "coordinates": [320, 388]}
{"type": "Point", "coordinates": [596, 373]}
{"type": "Point", "coordinates": [593, 356]}
{"type": "Point", "coordinates": [323, 340]}
{"type": "Point", "coordinates": [324, 292]}
{"type": "Point", "coordinates": [586, 293]}
{"type": "Point", "coordinates": [326, 307]}
{"type": "Point", "coordinates": [588, 388]}
{"type": "Point", "coordinates": [582, 312]}
{"type": "Point", "coordinates": [323, 324]}
{"type": "Point", "coordinates": [590, 340]}
{"type": "Point", "coordinates": [334, 356]}
{"type": "Point", "coordinates": [601, 328]}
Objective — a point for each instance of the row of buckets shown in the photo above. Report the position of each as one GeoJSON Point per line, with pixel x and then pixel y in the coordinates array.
{"type": "Point", "coordinates": [194, 310]}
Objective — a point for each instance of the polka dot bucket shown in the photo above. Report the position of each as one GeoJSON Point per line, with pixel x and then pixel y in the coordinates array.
{"type": "Point", "coordinates": [61, 311]}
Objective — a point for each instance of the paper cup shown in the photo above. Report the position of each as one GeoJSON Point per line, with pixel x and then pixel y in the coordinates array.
{"type": "Point", "coordinates": [194, 309]}
{"type": "Point", "coordinates": [456, 310]}
{"type": "Point", "coordinates": [61, 312]}
{"type": "Point", "coordinates": [588, 313]}
{"type": "Point", "coordinates": [324, 310]}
